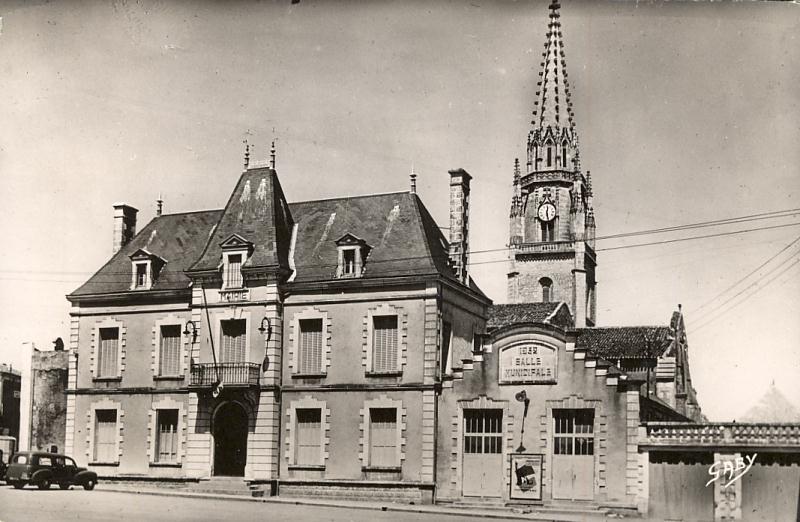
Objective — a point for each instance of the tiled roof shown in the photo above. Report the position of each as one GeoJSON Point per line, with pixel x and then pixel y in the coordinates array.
{"type": "Point", "coordinates": [256, 211]}
{"type": "Point", "coordinates": [402, 237]}
{"type": "Point", "coordinates": [620, 342]}
{"type": "Point", "coordinates": [178, 238]}
{"type": "Point", "coordinates": [507, 314]}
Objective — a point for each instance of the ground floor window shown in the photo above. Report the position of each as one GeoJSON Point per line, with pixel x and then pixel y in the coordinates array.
{"type": "Point", "coordinates": [105, 436]}
{"type": "Point", "coordinates": [383, 437]}
{"type": "Point", "coordinates": [308, 439]}
{"type": "Point", "coordinates": [167, 436]}
{"type": "Point", "coordinates": [483, 431]}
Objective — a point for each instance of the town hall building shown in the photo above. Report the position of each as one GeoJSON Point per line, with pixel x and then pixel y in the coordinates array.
{"type": "Point", "coordinates": [340, 348]}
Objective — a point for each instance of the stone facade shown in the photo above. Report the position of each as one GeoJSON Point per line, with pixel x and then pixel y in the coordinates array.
{"type": "Point", "coordinates": [48, 390]}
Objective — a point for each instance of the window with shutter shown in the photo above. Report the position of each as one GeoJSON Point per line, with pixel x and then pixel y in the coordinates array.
{"type": "Point", "coordinates": [170, 350]}
{"type": "Point", "coordinates": [167, 436]}
{"type": "Point", "coordinates": [384, 343]}
{"type": "Point", "coordinates": [108, 352]}
{"type": "Point", "coordinates": [310, 356]}
{"type": "Point", "coordinates": [308, 436]}
{"type": "Point", "coordinates": [233, 274]}
{"type": "Point", "coordinates": [383, 437]}
{"type": "Point", "coordinates": [234, 336]}
{"type": "Point", "coordinates": [105, 436]}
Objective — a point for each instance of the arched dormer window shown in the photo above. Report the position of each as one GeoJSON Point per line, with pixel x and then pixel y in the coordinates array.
{"type": "Point", "coordinates": [549, 145]}
{"type": "Point", "coordinates": [564, 154]}
{"type": "Point", "coordinates": [547, 289]}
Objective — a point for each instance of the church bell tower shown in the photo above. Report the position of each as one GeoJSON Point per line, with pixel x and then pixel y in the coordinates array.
{"type": "Point", "coordinates": [552, 229]}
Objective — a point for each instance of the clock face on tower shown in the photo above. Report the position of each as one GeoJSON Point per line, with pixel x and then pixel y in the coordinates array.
{"type": "Point", "coordinates": [547, 211]}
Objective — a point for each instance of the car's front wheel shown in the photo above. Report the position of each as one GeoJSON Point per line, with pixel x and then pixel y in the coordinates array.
{"type": "Point", "coordinates": [18, 485]}
{"type": "Point", "coordinates": [89, 485]}
{"type": "Point", "coordinates": [44, 484]}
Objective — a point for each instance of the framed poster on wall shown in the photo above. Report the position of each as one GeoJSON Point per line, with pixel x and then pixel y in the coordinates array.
{"type": "Point", "coordinates": [526, 476]}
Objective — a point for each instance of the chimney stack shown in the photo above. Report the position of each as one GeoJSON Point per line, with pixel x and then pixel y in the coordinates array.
{"type": "Point", "coordinates": [459, 222]}
{"type": "Point", "coordinates": [124, 225]}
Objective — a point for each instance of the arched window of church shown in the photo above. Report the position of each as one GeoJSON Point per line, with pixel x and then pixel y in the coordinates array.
{"type": "Point", "coordinates": [549, 146]}
{"type": "Point", "coordinates": [564, 154]}
{"type": "Point", "coordinates": [535, 155]}
{"type": "Point", "coordinates": [547, 289]}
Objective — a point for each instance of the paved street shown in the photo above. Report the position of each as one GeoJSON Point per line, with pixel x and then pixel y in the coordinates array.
{"type": "Point", "coordinates": [87, 506]}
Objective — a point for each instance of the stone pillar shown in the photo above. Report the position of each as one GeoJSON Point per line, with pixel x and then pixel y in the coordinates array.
{"type": "Point", "coordinates": [727, 500]}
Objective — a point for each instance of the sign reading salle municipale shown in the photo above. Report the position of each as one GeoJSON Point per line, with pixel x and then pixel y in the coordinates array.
{"type": "Point", "coordinates": [528, 363]}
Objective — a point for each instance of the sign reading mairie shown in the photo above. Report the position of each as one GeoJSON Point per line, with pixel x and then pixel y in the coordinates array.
{"type": "Point", "coordinates": [528, 362]}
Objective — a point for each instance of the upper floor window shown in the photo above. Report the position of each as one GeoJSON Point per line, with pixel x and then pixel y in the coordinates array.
{"type": "Point", "coordinates": [310, 348]}
{"type": "Point", "coordinates": [146, 268]}
{"type": "Point", "coordinates": [384, 343]}
{"type": "Point", "coordinates": [352, 256]}
{"type": "Point", "coordinates": [549, 146]}
{"type": "Point", "coordinates": [233, 272]}
{"type": "Point", "coordinates": [547, 289]}
{"type": "Point", "coordinates": [235, 251]}
{"type": "Point", "coordinates": [169, 363]}
{"type": "Point", "coordinates": [564, 154]}
{"type": "Point", "coordinates": [548, 230]}
{"type": "Point", "coordinates": [108, 354]}
{"type": "Point", "coordinates": [234, 340]}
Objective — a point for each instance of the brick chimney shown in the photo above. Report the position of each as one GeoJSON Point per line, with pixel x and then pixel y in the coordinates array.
{"type": "Point", "coordinates": [459, 222]}
{"type": "Point", "coordinates": [124, 225]}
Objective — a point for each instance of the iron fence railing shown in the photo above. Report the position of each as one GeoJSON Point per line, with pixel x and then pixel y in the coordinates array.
{"type": "Point", "coordinates": [231, 374]}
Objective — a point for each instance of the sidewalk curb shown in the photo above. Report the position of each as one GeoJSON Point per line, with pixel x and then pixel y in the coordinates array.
{"type": "Point", "coordinates": [433, 510]}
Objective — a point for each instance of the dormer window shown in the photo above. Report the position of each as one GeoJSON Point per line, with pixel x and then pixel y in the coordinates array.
{"type": "Point", "coordinates": [146, 268]}
{"type": "Point", "coordinates": [235, 251]}
{"type": "Point", "coordinates": [353, 254]}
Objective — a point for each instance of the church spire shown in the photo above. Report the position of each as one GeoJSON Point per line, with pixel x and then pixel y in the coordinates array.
{"type": "Point", "coordinates": [552, 143]}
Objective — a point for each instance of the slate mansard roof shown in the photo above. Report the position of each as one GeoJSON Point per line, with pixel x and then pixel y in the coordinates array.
{"type": "Point", "coordinates": [402, 238]}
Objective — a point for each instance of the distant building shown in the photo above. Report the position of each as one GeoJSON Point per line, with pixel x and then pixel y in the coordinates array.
{"type": "Point", "coordinates": [10, 386]}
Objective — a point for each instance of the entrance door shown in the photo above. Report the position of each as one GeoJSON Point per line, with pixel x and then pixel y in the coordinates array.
{"type": "Point", "coordinates": [573, 454]}
{"type": "Point", "coordinates": [482, 468]}
{"type": "Point", "coordinates": [230, 440]}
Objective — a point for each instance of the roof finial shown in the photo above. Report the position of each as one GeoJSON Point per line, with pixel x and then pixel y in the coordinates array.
{"type": "Point", "coordinates": [413, 177]}
{"type": "Point", "coordinates": [246, 154]}
{"type": "Point", "coordinates": [272, 156]}
{"type": "Point", "coordinates": [159, 205]}
{"type": "Point", "coordinates": [516, 171]}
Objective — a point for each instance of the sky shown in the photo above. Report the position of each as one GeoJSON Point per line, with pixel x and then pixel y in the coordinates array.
{"type": "Point", "coordinates": [687, 112]}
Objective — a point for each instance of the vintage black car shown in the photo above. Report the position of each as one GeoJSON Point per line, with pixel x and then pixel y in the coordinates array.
{"type": "Point", "coordinates": [42, 469]}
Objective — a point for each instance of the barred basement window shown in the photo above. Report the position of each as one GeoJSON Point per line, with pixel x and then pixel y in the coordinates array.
{"type": "Point", "coordinates": [170, 350]}
{"type": "Point", "coordinates": [167, 436]}
{"type": "Point", "coordinates": [108, 352]}
{"type": "Point", "coordinates": [105, 436]}
{"type": "Point", "coordinates": [234, 336]}
{"type": "Point", "coordinates": [308, 439]}
{"type": "Point", "coordinates": [383, 437]}
{"type": "Point", "coordinates": [310, 356]}
{"type": "Point", "coordinates": [384, 343]}
{"type": "Point", "coordinates": [573, 431]}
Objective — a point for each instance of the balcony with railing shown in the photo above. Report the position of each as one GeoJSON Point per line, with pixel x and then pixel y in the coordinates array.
{"type": "Point", "coordinates": [232, 375]}
{"type": "Point", "coordinates": [546, 247]}
{"type": "Point", "coordinates": [730, 435]}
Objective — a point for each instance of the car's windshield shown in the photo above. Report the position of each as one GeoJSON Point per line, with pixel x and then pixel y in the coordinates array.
{"type": "Point", "coordinates": [69, 462]}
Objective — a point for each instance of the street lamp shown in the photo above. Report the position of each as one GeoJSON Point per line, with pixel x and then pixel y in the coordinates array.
{"type": "Point", "coordinates": [268, 330]}
{"type": "Point", "coordinates": [192, 332]}
{"type": "Point", "coordinates": [522, 397]}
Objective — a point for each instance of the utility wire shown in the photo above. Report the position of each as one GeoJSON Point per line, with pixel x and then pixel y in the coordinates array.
{"type": "Point", "coordinates": [760, 287]}
{"type": "Point", "coordinates": [759, 267]}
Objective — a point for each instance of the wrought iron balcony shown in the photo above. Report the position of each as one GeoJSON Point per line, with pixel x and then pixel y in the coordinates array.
{"type": "Point", "coordinates": [205, 375]}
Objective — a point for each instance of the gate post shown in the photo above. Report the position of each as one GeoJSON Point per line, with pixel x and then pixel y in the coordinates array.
{"type": "Point", "coordinates": [727, 500]}
{"type": "Point", "coordinates": [643, 494]}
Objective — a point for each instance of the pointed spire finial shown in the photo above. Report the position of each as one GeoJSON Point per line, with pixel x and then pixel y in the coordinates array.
{"type": "Point", "coordinates": [246, 154]}
{"type": "Point", "coordinates": [413, 177]}
{"type": "Point", "coordinates": [159, 205]}
{"type": "Point", "coordinates": [272, 156]}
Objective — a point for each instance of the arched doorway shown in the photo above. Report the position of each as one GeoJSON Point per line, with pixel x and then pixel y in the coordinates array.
{"type": "Point", "coordinates": [230, 440]}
